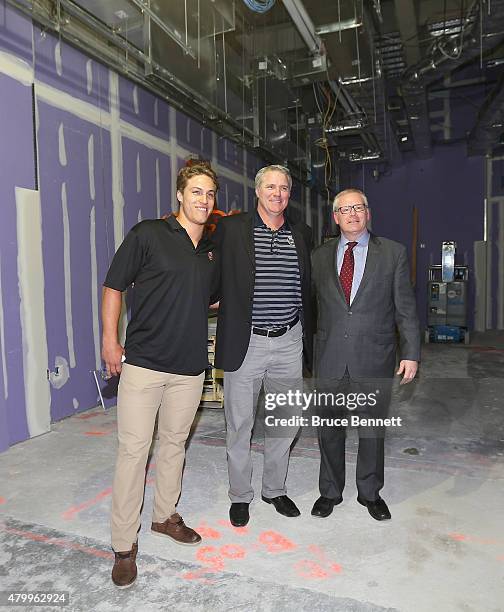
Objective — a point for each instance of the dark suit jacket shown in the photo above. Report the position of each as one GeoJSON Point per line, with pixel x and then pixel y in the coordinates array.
{"type": "Point", "coordinates": [234, 241]}
{"type": "Point", "coordinates": [363, 337]}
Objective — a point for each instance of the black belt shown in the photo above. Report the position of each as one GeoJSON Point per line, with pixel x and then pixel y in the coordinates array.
{"type": "Point", "coordinates": [274, 333]}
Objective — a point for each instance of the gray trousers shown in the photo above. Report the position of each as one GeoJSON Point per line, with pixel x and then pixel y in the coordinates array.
{"type": "Point", "coordinates": [276, 363]}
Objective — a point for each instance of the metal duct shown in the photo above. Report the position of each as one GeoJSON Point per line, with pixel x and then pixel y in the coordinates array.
{"type": "Point", "coordinates": [481, 32]}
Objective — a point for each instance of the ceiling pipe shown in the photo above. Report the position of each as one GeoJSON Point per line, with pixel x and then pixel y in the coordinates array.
{"type": "Point", "coordinates": [429, 69]}
{"type": "Point", "coordinates": [305, 26]}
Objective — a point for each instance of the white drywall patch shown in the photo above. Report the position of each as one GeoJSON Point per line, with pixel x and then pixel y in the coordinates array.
{"type": "Point", "coordinates": [94, 288]}
{"type": "Point", "coordinates": [60, 374]}
{"type": "Point", "coordinates": [138, 174]}
{"type": "Point", "coordinates": [79, 108]}
{"type": "Point", "coordinates": [158, 190]}
{"type": "Point", "coordinates": [135, 100]}
{"type": "Point", "coordinates": [89, 76]}
{"type": "Point", "coordinates": [75, 403]}
{"type": "Point", "coordinates": [57, 58]}
{"type": "Point", "coordinates": [61, 145]}
{"type": "Point", "coordinates": [32, 311]}
{"type": "Point", "coordinates": [117, 166]}
{"type": "Point", "coordinates": [16, 68]}
{"type": "Point", "coordinates": [117, 183]}
{"type": "Point", "coordinates": [68, 276]}
{"type": "Point", "coordinates": [92, 190]}
{"type": "Point", "coordinates": [2, 339]}
{"type": "Point", "coordinates": [150, 141]}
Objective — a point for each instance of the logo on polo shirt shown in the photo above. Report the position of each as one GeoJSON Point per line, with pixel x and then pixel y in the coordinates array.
{"type": "Point", "coordinates": [210, 255]}
{"type": "Point", "coordinates": [290, 240]}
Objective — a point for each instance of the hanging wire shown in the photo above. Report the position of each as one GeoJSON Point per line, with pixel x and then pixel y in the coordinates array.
{"type": "Point", "coordinates": [259, 6]}
{"type": "Point", "coordinates": [323, 143]}
{"type": "Point", "coordinates": [460, 45]}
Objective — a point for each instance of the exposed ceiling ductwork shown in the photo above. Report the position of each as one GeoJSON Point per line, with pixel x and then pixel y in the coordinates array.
{"type": "Point", "coordinates": [454, 44]}
{"type": "Point", "coordinates": [308, 82]}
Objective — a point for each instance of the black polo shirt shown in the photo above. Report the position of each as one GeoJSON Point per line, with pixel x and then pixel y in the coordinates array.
{"type": "Point", "coordinates": [168, 327]}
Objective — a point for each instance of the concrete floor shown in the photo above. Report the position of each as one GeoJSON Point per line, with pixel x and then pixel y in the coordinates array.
{"type": "Point", "coordinates": [443, 549]}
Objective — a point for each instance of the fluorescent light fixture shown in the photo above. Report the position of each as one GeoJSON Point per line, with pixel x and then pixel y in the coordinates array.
{"type": "Point", "coordinates": [356, 157]}
{"type": "Point", "coordinates": [354, 80]}
{"type": "Point", "coordinates": [338, 26]}
{"type": "Point", "coordinates": [344, 127]}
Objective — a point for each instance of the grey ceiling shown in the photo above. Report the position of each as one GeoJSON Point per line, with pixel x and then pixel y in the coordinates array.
{"type": "Point", "coordinates": [316, 83]}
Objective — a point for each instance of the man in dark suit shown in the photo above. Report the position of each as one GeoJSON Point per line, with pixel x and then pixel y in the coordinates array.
{"type": "Point", "coordinates": [264, 312]}
{"type": "Point", "coordinates": [364, 297]}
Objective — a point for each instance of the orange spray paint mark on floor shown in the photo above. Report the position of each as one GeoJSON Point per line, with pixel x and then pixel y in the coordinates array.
{"type": "Point", "coordinates": [460, 537]}
{"type": "Point", "coordinates": [73, 510]}
{"type": "Point", "coordinates": [321, 569]}
{"type": "Point", "coordinates": [67, 544]}
{"type": "Point", "coordinates": [206, 531]}
{"type": "Point", "coordinates": [209, 556]}
{"type": "Point", "coordinates": [70, 514]}
{"type": "Point", "coordinates": [198, 575]}
{"type": "Point", "coordinates": [2, 500]}
{"type": "Point", "coordinates": [275, 542]}
{"type": "Point", "coordinates": [232, 551]}
{"type": "Point", "coordinates": [310, 569]}
{"type": "Point", "coordinates": [213, 560]}
{"type": "Point", "coordinates": [84, 417]}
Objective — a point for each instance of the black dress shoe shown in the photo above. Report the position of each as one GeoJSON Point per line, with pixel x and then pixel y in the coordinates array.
{"type": "Point", "coordinates": [239, 514]}
{"type": "Point", "coordinates": [324, 506]}
{"type": "Point", "coordinates": [283, 505]}
{"type": "Point", "coordinates": [377, 509]}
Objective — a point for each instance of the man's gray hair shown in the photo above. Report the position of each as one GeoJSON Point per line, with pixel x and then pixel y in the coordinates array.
{"type": "Point", "coordinates": [274, 168]}
{"type": "Point", "coordinates": [344, 192]}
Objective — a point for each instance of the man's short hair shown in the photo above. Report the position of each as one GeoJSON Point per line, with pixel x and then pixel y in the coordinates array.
{"type": "Point", "coordinates": [344, 192]}
{"type": "Point", "coordinates": [195, 169]}
{"type": "Point", "coordinates": [273, 168]}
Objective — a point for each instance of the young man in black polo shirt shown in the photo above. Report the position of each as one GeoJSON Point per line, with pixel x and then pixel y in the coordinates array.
{"type": "Point", "coordinates": [170, 264]}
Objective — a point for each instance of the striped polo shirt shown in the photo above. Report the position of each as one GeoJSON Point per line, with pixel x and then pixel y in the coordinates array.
{"type": "Point", "coordinates": [277, 289]}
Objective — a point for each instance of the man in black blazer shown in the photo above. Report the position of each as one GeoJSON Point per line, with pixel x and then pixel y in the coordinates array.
{"type": "Point", "coordinates": [364, 297]}
{"type": "Point", "coordinates": [264, 319]}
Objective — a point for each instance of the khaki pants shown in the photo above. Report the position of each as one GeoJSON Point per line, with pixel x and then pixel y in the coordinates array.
{"type": "Point", "coordinates": [142, 392]}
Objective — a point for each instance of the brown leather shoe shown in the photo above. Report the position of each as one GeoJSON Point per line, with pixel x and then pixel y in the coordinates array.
{"type": "Point", "coordinates": [124, 572]}
{"type": "Point", "coordinates": [175, 529]}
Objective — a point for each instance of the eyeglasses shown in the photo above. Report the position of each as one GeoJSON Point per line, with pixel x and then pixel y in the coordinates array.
{"type": "Point", "coordinates": [358, 208]}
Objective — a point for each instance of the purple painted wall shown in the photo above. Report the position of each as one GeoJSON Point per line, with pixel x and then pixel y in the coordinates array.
{"type": "Point", "coordinates": [143, 110]}
{"type": "Point", "coordinates": [230, 155]}
{"type": "Point", "coordinates": [16, 169]}
{"type": "Point", "coordinates": [75, 176]}
{"type": "Point", "coordinates": [193, 136]}
{"type": "Point", "coordinates": [448, 191]}
{"type": "Point", "coordinates": [68, 70]}
{"type": "Point", "coordinates": [15, 33]}
{"type": "Point", "coordinates": [140, 199]}
{"type": "Point", "coordinates": [230, 195]}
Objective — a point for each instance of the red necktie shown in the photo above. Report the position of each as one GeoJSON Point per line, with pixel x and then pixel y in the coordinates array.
{"type": "Point", "coordinates": [347, 270]}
